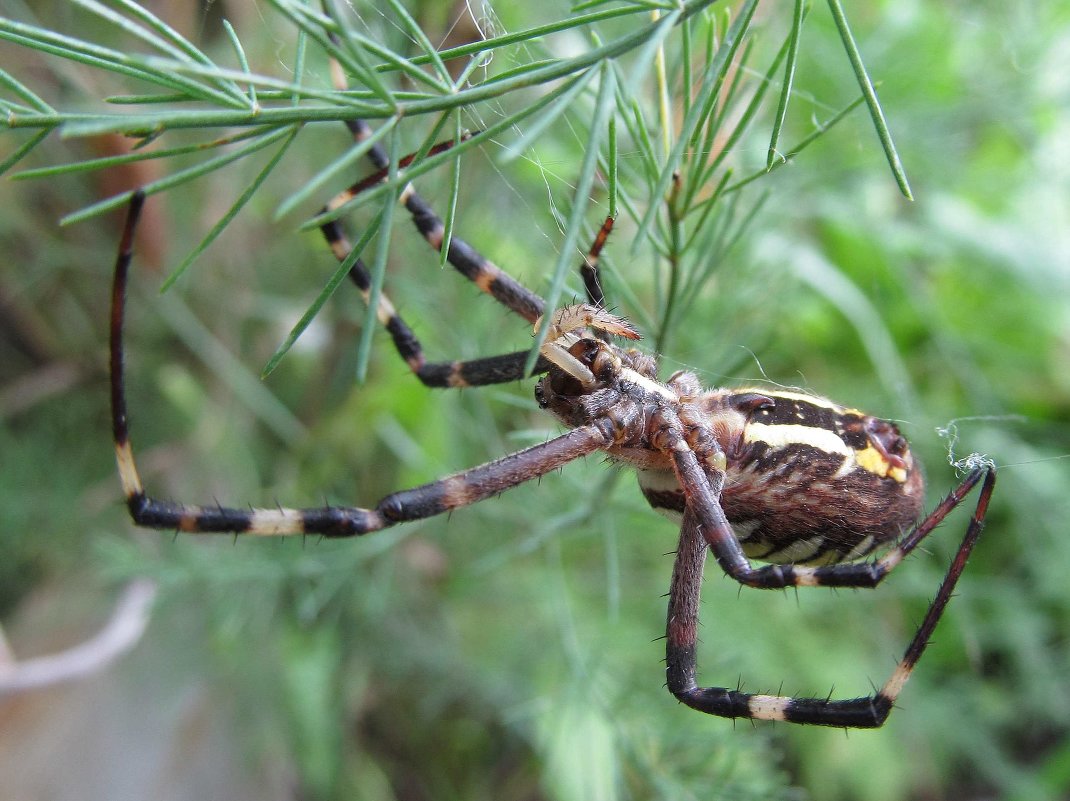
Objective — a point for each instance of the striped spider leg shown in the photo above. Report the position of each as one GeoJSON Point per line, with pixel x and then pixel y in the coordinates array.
{"type": "Point", "coordinates": [486, 275]}
{"type": "Point", "coordinates": [706, 527]}
{"type": "Point", "coordinates": [449, 493]}
{"type": "Point", "coordinates": [478, 269]}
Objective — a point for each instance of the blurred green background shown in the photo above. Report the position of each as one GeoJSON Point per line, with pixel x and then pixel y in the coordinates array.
{"type": "Point", "coordinates": [511, 650]}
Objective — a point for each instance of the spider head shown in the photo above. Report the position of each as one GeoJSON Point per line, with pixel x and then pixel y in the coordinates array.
{"type": "Point", "coordinates": [581, 382]}
{"type": "Point", "coordinates": [589, 377]}
{"type": "Point", "coordinates": [584, 362]}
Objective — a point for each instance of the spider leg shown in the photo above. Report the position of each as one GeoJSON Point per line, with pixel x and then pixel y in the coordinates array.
{"type": "Point", "coordinates": [592, 277]}
{"type": "Point", "coordinates": [477, 268]}
{"type": "Point", "coordinates": [452, 492]}
{"type": "Point", "coordinates": [486, 275]}
{"type": "Point", "coordinates": [468, 261]}
{"type": "Point", "coordinates": [465, 259]}
{"type": "Point", "coordinates": [476, 372]}
{"type": "Point", "coordinates": [704, 525]}
{"type": "Point", "coordinates": [703, 493]}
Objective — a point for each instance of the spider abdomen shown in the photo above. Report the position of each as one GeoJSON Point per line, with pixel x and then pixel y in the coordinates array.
{"type": "Point", "coordinates": [807, 480]}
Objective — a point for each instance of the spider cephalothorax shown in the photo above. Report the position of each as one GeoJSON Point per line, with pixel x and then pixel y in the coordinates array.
{"type": "Point", "coordinates": [796, 481]}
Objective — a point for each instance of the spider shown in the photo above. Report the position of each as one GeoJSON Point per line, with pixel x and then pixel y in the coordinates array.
{"type": "Point", "coordinates": [803, 484]}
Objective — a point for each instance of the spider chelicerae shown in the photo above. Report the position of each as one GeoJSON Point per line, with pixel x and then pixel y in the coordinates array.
{"type": "Point", "coordinates": [810, 487]}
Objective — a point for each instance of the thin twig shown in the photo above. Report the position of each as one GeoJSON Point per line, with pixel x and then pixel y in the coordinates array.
{"type": "Point", "coordinates": [121, 633]}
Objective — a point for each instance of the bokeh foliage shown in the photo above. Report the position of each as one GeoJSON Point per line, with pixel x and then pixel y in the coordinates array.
{"type": "Point", "coordinates": [509, 651]}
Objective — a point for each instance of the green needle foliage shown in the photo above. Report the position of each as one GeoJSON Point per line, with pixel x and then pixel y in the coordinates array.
{"type": "Point", "coordinates": [510, 651]}
{"type": "Point", "coordinates": [283, 107]}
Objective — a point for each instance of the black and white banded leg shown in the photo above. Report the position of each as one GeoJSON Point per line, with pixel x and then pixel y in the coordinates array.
{"type": "Point", "coordinates": [486, 275]}
{"type": "Point", "coordinates": [444, 495]}
{"type": "Point", "coordinates": [704, 527]}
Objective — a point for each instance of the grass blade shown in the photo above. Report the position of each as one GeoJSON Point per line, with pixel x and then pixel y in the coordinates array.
{"type": "Point", "coordinates": [22, 150]}
{"type": "Point", "coordinates": [433, 162]}
{"type": "Point", "coordinates": [378, 270]}
{"type": "Point", "coordinates": [106, 162]}
{"type": "Point", "coordinates": [242, 61]}
{"type": "Point", "coordinates": [72, 49]}
{"type": "Point", "coordinates": [175, 179]}
{"type": "Point", "coordinates": [802, 145]}
{"type": "Point", "coordinates": [161, 44]}
{"type": "Point", "coordinates": [539, 126]}
{"type": "Point", "coordinates": [785, 89]}
{"type": "Point", "coordinates": [336, 279]}
{"type": "Point", "coordinates": [164, 30]}
{"type": "Point", "coordinates": [748, 114]}
{"type": "Point", "coordinates": [691, 122]}
{"type": "Point", "coordinates": [232, 212]}
{"type": "Point", "coordinates": [9, 80]}
{"type": "Point", "coordinates": [870, 94]}
{"type": "Point", "coordinates": [450, 216]}
{"type": "Point", "coordinates": [418, 35]}
{"type": "Point", "coordinates": [357, 151]}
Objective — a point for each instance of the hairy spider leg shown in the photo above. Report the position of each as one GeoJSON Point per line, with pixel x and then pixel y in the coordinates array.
{"type": "Point", "coordinates": [469, 262]}
{"type": "Point", "coordinates": [705, 527]}
{"type": "Point", "coordinates": [589, 271]}
{"type": "Point", "coordinates": [452, 492]}
{"type": "Point", "coordinates": [486, 275]}
{"type": "Point", "coordinates": [475, 372]}
{"type": "Point", "coordinates": [592, 276]}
